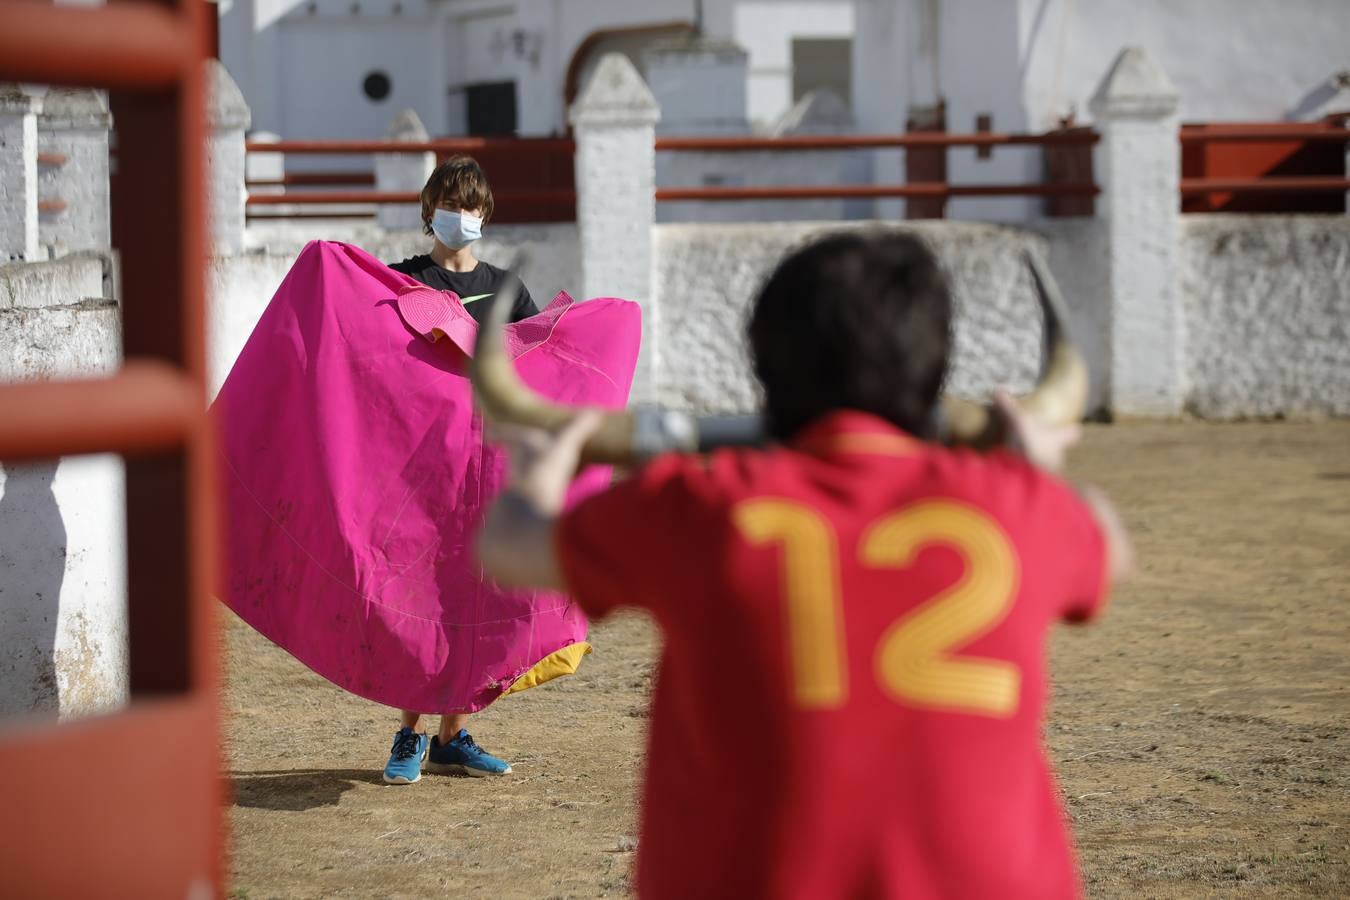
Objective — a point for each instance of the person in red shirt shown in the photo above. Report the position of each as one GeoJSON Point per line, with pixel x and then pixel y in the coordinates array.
{"type": "Point", "coordinates": [853, 684]}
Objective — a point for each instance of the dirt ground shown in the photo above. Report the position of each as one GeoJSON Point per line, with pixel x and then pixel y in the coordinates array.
{"type": "Point", "coordinates": [1201, 730]}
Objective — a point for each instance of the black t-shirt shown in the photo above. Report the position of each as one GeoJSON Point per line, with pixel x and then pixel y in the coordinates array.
{"type": "Point", "coordinates": [479, 284]}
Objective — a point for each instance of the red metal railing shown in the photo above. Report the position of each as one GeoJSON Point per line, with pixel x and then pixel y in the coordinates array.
{"type": "Point", "coordinates": [1264, 167]}
{"type": "Point", "coordinates": [532, 178]}
{"type": "Point", "coordinates": [909, 139]}
{"type": "Point", "coordinates": [913, 140]}
{"type": "Point", "coordinates": [312, 179]}
{"type": "Point", "coordinates": [145, 810]}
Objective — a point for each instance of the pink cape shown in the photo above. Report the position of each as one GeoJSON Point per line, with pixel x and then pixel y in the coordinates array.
{"type": "Point", "coordinates": [354, 476]}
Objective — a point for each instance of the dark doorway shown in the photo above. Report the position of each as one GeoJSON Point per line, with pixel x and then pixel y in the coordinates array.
{"type": "Point", "coordinates": [492, 108]}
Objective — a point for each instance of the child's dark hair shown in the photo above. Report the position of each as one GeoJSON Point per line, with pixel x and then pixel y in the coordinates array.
{"type": "Point", "coordinates": [458, 182]}
{"type": "Point", "coordinates": [853, 321]}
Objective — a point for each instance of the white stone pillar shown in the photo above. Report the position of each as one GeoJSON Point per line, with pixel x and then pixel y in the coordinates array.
{"type": "Point", "coordinates": [1139, 168]}
{"type": "Point", "coordinates": [614, 123]}
{"type": "Point", "coordinates": [74, 213]}
{"type": "Point", "coordinates": [228, 118]}
{"type": "Point", "coordinates": [19, 108]}
{"type": "Point", "coordinates": [403, 172]}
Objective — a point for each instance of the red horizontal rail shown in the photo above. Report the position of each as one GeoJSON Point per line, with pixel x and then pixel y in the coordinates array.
{"type": "Point", "coordinates": [311, 178]}
{"type": "Point", "coordinates": [860, 141]}
{"type": "Point", "coordinates": [122, 45]}
{"type": "Point", "coordinates": [51, 205]}
{"type": "Point", "coordinates": [280, 216]}
{"type": "Point", "coordinates": [1283, 131]}
{"type": "Point", "coordinates": [845, 191]}
{"type": "Point", "coordinates": [337, 197]}
{"type": "Point", "coordinates": [51, 159]}
{"type": "Point", "coordinates": [447, 145]}
{"type": "Point", "coordinates": [145, 406]}
{"type": "Point", "coordinates": [1305, 185]}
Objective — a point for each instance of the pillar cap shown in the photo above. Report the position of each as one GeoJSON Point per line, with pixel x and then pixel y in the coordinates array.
{"type": "Point", "coordinates": [226, 109]}
{"type": "Point", "coordinates": [1135, 87]}
{"type": "Point", "coordinates": [615, 95]}
{"type": "Point", "coordinates": [407, 127]}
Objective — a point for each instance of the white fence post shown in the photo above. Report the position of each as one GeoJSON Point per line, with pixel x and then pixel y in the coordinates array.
{"type": "Point", "coordinates": [229, 119]}
{"type": "Point", "coordinates": [403, 172]}
{"type": "Point", "coordinates": [74, 214]}
{"type": "Point", "coordinates": [614, 123]}
{"type": "Point", "coordinates": [19, 108]}
{"type": "Point", "coordinates": [1139, 164]}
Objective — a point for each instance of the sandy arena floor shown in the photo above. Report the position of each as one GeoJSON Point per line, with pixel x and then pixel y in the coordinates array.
{"type": "Point", "coordinates": [1201, 729]}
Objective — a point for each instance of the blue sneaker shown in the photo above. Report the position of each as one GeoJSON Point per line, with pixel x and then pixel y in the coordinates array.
{"type": "Point", "coordinates": [405, 759]}
{"type": "Point", "coordinates": [461, 756]}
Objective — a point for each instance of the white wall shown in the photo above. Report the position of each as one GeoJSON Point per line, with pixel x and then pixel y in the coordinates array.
{"type": "Point", "coordinates": [301, 72]}
{"type": "Point", "coordinates": [1266, 300]}
{"type": "Point", "coordinates": [707, 276]}
{"type": "Point", "coordinates": [1230, 59]}
{"type": "Point", "coordinates": [325, 62]}
{"type": "Point", "coordinates": [62, 586]}
{"type": "Point", "coordinates": [766, 28]}
{"type": "Point", "coordinates": [62, 530]}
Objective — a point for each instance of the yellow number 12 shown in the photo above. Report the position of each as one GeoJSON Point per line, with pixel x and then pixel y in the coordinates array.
{"type": "Point", "coordinates": [914, 659]}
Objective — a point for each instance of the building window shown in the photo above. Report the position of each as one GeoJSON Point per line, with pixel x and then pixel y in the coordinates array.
{"type": "Point", "coordinates": [377, 86]}
{"type": "Point", "coordinates": [492, 108]}
{"type": "Point", "coordinates": [822, 63]}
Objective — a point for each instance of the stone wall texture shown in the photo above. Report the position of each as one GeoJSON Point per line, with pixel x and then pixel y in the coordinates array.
{"type": "Point", "coordinates": [708, 275]}
{"type": "Point", "coordinates": [1267, 315]}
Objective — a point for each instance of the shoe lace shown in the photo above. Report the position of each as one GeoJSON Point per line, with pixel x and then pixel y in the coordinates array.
{"type": "Point", "coordinates": [405, 746]}
{"type": "Point", "coordinates": [469, 743]}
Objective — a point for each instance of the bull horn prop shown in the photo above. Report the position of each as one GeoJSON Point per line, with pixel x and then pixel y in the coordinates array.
{"type": "Point", "coordinates": [628, 437]}
{"type": "Point", "coordinates": [1061, 394]}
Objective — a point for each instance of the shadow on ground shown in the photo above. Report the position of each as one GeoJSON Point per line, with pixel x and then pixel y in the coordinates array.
{"type": "Point", "coordinates": [297, 789]}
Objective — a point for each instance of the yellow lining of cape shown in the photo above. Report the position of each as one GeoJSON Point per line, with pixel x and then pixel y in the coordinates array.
{"type": "Point", "coordinates": [560, 662]}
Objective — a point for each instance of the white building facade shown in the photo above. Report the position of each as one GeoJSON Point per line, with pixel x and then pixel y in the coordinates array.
{"type": "Point", "coordinates": [1029, 64]}
{"type": "Point", "coordinates": [327, 69]}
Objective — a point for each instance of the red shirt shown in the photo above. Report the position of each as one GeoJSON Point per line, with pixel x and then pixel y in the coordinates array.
{"type": "Point", "coordinates": [853, 685]}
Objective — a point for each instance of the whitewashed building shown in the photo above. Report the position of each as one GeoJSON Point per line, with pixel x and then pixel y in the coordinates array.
{"type": "Point", "coordinates": [342, 68]}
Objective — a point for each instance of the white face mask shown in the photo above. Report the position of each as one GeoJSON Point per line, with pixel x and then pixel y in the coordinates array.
{"type": "Point", "coordinates": [456, 229]}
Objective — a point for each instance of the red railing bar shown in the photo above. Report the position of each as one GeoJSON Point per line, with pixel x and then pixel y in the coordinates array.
{"type": "Point", "coordinates": [262, 217]}
{"type": "Point", "coordinates": [1283, 131]}
{"type": "Point", "coordinates": [126, 45]}
{"type": "Point", "coordinates": [51, 159]}
{"type": "Point", "coordinates": [446, 145]}
{"type": "Point", "coordinates": [327, 197]}
{"type": "Point", "coordinates": [51, 205]}
{"type": "Point", "coordinates": [845, 191]}
{"type": "Point", "coordinates": [1309, 184]}
{"type": "Point", "coordinates": [858, 141]}
{"type": "Point", "coordinates": [145, 406]}
{"type": "Point", "coordinates": [309, 178]}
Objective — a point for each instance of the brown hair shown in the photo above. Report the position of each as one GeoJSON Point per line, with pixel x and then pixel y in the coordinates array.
{"type": "Point", "coordinates": [458, 182]}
